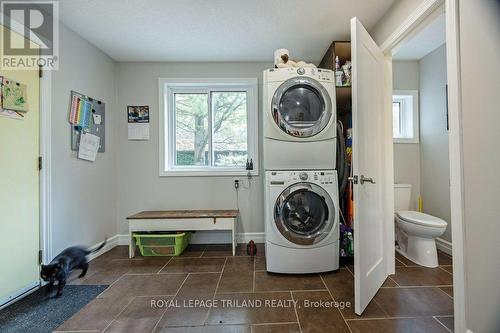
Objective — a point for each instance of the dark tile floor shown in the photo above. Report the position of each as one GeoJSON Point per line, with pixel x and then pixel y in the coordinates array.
{"type": "Point", "coordinates": [208, 290]}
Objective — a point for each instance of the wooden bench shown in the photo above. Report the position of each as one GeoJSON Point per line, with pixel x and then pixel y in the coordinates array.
{"type": "Point", "coordinates": [182, 220]}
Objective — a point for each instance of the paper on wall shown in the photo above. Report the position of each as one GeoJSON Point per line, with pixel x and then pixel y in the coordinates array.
{"type": "Point", "coordinates": [138, 122]}
{"type": "Point", "coordinates": [89, 145]}
{"type": "Point", "coordinates": [14, 95]}
{"type": "Point", "coordinates": [97, 118]}
{"type": "Point", "coordinates": [138, 131]}
{"type": "Point", "coordinates": [81, 110]}
{"type": "Point", "coordinates": [5, 112]}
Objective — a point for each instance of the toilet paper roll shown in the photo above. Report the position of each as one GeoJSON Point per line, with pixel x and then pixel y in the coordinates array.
{"type": "Point", "coordinates": [277, 55]}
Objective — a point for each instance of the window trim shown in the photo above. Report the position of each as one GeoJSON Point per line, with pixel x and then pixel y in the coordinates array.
{"type": "Point", "coordinates": [167, 87]}
{"type": "Point", "coordinates": [415, 115]}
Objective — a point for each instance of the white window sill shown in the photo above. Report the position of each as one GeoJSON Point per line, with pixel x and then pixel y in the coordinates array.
{"type": "Point", "coordinates": [403, 140]}
{"type": "Point", "coordinates": [207, 173]}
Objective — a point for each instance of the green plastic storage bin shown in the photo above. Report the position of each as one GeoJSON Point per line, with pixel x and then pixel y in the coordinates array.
{"type": "Point", "coordinates": [161, 244]}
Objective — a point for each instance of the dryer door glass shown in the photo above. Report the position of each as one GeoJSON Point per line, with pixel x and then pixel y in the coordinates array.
{"type": "Point", "coordinates": [301, 107]}
{"type": "Point", "coordinates": [304, 213]}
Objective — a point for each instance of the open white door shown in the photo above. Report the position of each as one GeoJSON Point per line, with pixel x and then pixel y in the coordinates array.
{"type": "Point", "coordinates": [372, 166]}
{"type": "Point", "coordinates": [19, 186]}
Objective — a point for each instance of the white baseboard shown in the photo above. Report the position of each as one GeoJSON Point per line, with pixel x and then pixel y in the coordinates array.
{"type": "Point", "coordinates": [111, 243]}
{"type": "Point", "coordinates": [257, 237]}
{"type": "Point", "coordinates": [123, 239]}
{"type": "Point", "coordinates": [199, 237]}
{"type": "Point", "coordinates": [444, 246]}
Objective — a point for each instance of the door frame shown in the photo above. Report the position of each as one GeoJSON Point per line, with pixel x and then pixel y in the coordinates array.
{"type": "Point", "coordinates": [45, 172]}
{"type": "Point", "coordinates": [426, 8]}
{"type": "Point", "coordinates": [45, 139]}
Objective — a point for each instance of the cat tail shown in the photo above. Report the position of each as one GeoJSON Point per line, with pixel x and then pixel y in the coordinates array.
{"type": "Point", "coordinates": [100, 246]}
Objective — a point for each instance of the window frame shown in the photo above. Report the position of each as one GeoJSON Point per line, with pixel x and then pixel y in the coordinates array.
{"type": "Point", "coordinates": [402, 96]}
{"type": "Point", "coordinates": [167, 88]}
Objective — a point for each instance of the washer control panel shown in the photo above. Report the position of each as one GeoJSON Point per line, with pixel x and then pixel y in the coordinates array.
{"type": "Point", "coordinates": [326, 177]}
{"type": "Point", "coordinates": [284, 74]}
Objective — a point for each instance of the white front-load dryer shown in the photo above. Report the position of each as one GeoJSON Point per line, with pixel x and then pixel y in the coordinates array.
{"type": "Point", "coordinates": [301, 221]}
{"type": "Point", "coordinates": [299, 119]}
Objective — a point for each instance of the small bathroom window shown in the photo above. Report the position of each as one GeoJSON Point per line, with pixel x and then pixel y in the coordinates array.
{"type": "Point", "coordinates": [405, 116]}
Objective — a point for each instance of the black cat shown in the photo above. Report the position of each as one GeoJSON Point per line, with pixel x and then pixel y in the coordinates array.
{"type": "Point", "coordinates": [59, 268]}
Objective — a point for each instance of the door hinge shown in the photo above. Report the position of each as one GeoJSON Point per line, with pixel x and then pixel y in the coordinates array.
{"type": "Point", "coordinates": [40, 162]}
{"type": "Point", "coordinates": [40, 257]}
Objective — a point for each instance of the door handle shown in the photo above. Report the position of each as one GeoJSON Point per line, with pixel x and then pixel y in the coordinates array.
{"type": "Point", "coordinates": [353, 179]}
{"type": "Point", "coordinates": [364, 179]}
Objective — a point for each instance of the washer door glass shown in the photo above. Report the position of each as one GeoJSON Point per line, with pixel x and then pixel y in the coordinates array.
{"type": "Point", "coordinates": [301, 107]}
{"type": "Point", "coordinates": [304, 214]}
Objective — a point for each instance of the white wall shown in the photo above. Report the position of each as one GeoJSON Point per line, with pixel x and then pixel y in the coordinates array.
{"type": "Point", "coordinates": [398, 12]}
{"type": "Point", "coordinates": [480, 80]}
{"type": "Point", "coordinates": [83, 193]}
{"type": "Point", "coordinates": [138, 184]}
{"type": "Point", "coordinates": [405, 76]}
{"type": "Point", "coordinates": [434, 158]}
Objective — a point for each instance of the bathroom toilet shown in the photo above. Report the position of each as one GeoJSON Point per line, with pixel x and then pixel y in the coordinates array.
{"type": "Point", "coordinates": [415, 232]}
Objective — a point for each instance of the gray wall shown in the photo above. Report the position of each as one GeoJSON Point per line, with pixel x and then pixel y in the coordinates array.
{"type": "Point", "coordinates": [480, 80]}
{"type": "Point", "coordinates": [434, 157]}
{"type": "Point", "coordinates": [138, 184]}
{"type": "Point", "coordinates": [405, 76]}
{"type": "Point", "coordinates": [83, 193]}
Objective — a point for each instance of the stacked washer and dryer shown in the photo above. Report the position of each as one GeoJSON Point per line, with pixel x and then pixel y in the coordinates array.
{"type": "Point", "coordinates": [301, 190]}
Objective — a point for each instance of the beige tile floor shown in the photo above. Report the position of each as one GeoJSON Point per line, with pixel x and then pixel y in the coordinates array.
{"type": "Point", "coordinates": [175, 294]}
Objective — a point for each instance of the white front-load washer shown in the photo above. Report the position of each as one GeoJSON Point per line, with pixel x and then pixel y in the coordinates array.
{"type": "Point", "coordinates": [301, 221]}
{"type": "Point", "coordinates": [299, 119]}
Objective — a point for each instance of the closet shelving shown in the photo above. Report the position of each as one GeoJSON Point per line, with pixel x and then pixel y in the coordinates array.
{"type": "Point", "coordinates": [342, 49]}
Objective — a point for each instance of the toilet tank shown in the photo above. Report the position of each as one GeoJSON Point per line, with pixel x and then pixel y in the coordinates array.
{"type": "Point", "coordinates": [402, 195]}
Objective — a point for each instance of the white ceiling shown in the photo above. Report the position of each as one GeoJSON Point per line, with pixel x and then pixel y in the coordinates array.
{"type": "Point", "coordinates": [216, 30]}
{"type": "Point", "coordinates": [429, 38]}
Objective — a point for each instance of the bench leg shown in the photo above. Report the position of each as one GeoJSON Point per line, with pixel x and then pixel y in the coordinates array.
{"type": "Point", "coordinates": [131, 246]}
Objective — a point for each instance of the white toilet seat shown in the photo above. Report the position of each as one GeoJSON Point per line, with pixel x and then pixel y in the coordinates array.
{"type": "Point", "coordinates": [421, 219]}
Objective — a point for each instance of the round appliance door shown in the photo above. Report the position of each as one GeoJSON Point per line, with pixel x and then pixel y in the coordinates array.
{"type": "Point", "coordinates": [301, 107]}
{"type": "Point", "coordinates": [304, 213]}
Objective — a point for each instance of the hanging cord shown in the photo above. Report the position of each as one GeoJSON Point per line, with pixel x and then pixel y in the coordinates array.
{"type": "Point", "coordinates": [241, 183]}
{"type": "Point", "coordinates": [237, 198]}
{"type": "Point", "coordinates": [249, 182]}
{"type": "Point", "coordinates": [342, 216]}
{"type": "Point", "coordinates": [237, 184]}
{"type": "Point", "coordinates": [342, 165]}
{"type": "Point", "coordinates": [237, 190]}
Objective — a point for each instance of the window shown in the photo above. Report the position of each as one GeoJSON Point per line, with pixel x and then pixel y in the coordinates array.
{"type": "Point", "coordinates": [208, 126]}
{"type": "Point", "coordinates": [405, 116]}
